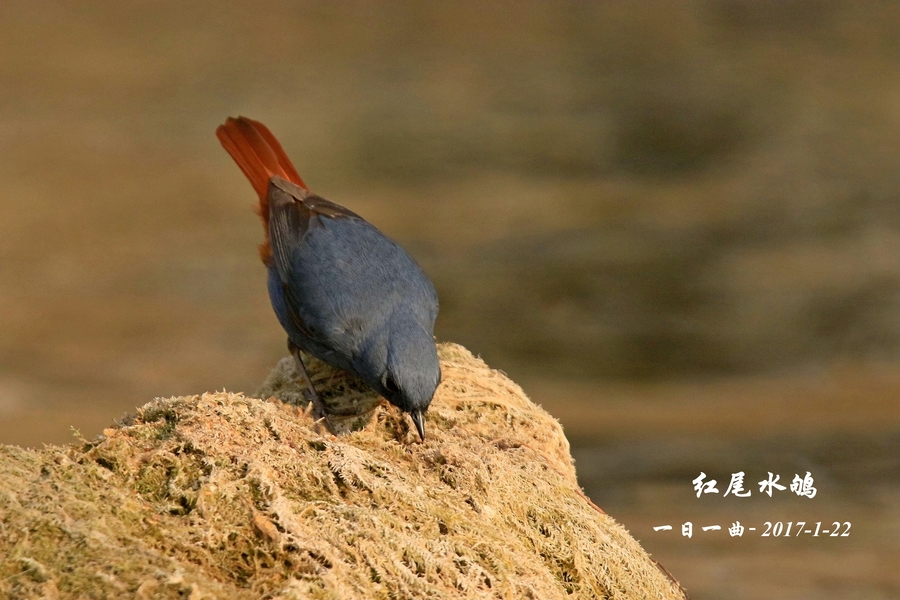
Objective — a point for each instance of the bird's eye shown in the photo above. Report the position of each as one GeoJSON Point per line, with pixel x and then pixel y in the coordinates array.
{"type": "Point", "coordinates": [390, 385]}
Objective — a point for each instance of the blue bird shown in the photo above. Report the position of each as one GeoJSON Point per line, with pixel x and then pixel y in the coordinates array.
{"type": "Point", "coordinates": [342, 290]}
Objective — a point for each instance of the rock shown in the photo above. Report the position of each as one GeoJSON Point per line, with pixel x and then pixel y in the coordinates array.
{"type": "Point", "coordinates": [226, 496]}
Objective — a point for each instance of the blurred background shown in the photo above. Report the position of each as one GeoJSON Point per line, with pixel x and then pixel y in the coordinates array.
{"type": "Point", "coordinates": [676, 224]}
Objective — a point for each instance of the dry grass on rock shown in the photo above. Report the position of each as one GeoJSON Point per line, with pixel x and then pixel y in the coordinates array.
{"type": "Point", "coordinates": [225, 496]}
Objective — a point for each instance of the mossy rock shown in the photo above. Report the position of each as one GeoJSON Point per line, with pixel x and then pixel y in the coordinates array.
{"type": "Point", "coordinates": [225, 496]}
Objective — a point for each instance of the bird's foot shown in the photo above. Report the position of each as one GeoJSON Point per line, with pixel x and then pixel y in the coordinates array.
{"type": "Point", "coordinates": [316, 408]}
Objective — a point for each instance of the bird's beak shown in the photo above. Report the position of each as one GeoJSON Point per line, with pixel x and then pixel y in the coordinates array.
{"type": "Point", "coordinates": [419, 420]}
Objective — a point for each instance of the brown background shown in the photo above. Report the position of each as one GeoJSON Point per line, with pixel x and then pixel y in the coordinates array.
{"type": "Point", "coordinates": [677, 224]}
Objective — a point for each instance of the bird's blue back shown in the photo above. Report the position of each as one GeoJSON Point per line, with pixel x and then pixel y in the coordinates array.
{"type": "Point", "coordinates": [347, 282]}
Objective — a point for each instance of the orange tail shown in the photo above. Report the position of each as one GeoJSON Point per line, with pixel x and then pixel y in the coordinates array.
{"type": "Point", "coordinates": [260, 156]}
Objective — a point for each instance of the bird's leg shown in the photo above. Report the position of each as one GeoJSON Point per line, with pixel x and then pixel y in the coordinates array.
{"type": "Point", "coordinates": [318, 409]}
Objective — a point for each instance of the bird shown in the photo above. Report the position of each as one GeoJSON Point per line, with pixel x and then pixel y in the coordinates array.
{"type": "Point", "coordinates": [342, 290]}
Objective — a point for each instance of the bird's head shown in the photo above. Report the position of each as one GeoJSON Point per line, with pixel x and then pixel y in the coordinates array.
{"type": "Point", "coordinates": [403, 367]}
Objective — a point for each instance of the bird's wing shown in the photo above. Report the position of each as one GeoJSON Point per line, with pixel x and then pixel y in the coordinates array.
{"type": "Point", "coordinates": [293, 210]}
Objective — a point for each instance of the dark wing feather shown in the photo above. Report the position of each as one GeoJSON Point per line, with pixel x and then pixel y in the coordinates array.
{"type": "Point", "coordinates": [293, 210]}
